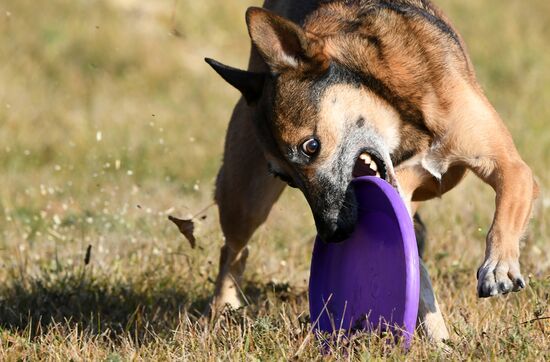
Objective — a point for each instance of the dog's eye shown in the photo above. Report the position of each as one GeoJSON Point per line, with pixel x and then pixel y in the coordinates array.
{"type": "Point", "coordinates": [311, 147]}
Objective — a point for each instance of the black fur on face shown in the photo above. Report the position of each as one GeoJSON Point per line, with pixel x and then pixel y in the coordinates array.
{"type": "Point", "coordinates": [330, 193]}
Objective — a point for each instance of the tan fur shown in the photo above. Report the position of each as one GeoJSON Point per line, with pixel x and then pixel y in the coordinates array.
{"type": "Point", "coordinates": [427, 106]}
{"type": "Point", "coordinates": [343, 104]}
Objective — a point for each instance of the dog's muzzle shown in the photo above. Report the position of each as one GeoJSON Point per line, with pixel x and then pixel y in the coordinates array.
{"type": "Point", "coordinates": [336, 224]}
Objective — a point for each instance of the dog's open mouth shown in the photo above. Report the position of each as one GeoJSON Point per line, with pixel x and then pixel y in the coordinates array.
{"type": "Point", "coordinates": [369, 164]}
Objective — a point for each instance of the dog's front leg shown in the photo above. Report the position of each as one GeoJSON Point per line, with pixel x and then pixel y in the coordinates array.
{"type": "Point", "coordinates": [515, 190]}
{"type": "Point", "coordinates": [477, 138]}
{"type": "Point", "coordinates": [245, 193]}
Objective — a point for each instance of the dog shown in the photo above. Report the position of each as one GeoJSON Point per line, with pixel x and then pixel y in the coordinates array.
{"type": "Point", "coordinates": [337, 89]}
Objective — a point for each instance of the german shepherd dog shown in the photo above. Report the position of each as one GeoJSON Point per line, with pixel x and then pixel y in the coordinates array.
{"type": "Point", "coordinates": [337, 89]}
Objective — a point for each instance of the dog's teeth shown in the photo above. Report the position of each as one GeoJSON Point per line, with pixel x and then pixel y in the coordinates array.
{"type": "Point", "coordinates": [373, 166]}
{"type": "Point", "coordinates": [366, 158]}
{"type": "Point", "coordinates": [378, 174]}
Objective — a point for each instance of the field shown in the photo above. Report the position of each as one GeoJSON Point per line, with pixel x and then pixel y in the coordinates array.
{"type": "Point", "coordinates": [110, 121]}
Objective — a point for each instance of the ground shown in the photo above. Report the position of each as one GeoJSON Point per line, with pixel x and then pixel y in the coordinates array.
{"type": "Point", "coordinates": [110, 121]}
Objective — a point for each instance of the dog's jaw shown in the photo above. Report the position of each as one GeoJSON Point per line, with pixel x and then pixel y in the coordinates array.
{"type": "Point", "coordinates": [368, 164]}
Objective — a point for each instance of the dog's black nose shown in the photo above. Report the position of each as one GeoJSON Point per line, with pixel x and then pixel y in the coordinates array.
{"type": "Point", "coordinates": [336, 234]}
{"type": "Point", "coordinates": [335, 221]}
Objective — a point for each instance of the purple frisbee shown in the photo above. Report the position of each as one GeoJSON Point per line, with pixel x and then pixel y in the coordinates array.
{"type": "Point", "coordinates": [370, 280]}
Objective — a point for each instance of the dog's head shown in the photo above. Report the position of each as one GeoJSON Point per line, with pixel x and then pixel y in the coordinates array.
{"type": "Point", "coordinates": [318, 121]}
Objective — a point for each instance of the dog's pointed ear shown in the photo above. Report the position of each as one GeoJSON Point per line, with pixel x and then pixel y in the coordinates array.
{"type": "Point", "coordinates": [250, 84]}
{"type": "Point", "coordinates": [283, 44]}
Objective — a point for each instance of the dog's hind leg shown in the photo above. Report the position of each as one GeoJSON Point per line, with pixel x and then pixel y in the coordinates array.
{"type": "Point", "coordinates": [430, 317]}
{"type": "Point", "coordinates": [245, 193]}
{"type": "Point", "coordinates": [420, 232]}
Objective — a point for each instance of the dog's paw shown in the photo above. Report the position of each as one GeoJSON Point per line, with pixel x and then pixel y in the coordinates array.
{"type": "Point", "coordinates": [496, 277]}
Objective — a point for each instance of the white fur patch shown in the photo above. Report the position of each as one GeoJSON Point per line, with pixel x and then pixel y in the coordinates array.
{"type": "Point", "coordinates": [432, 167]}
{"type": "Point", "coordinates": [432, 161]}
{"type": "Point", "coordinates": [289, 60]}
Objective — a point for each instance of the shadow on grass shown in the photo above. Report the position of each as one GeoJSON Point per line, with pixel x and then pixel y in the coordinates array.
{"type": "Point", "coordinates": [101, 306]}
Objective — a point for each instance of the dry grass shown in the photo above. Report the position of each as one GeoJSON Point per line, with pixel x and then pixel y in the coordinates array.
{"type": "Point", "coordinates": [109, 121]}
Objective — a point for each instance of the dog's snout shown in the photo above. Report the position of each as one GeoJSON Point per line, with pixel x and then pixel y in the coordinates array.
{"type": "Point", "coordinates": [335, 235]}
{"type": "Point", "coordinates": [336, 230]}
{"type": "Point", "coordinates": [335, 212]}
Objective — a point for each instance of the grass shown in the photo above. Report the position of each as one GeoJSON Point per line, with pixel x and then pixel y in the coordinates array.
{"type": "Point", "coordinates": [110, 121]}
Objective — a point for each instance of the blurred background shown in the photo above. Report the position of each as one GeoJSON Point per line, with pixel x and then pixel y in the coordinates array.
{"type": "Point", "coordinates": [110, 120]}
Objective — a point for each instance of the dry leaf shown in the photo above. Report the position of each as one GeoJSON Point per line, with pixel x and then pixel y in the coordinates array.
{"type": "Point", "coordinates": [186, 227]}
{"type": "Point", "coordinates": [88, 255]}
